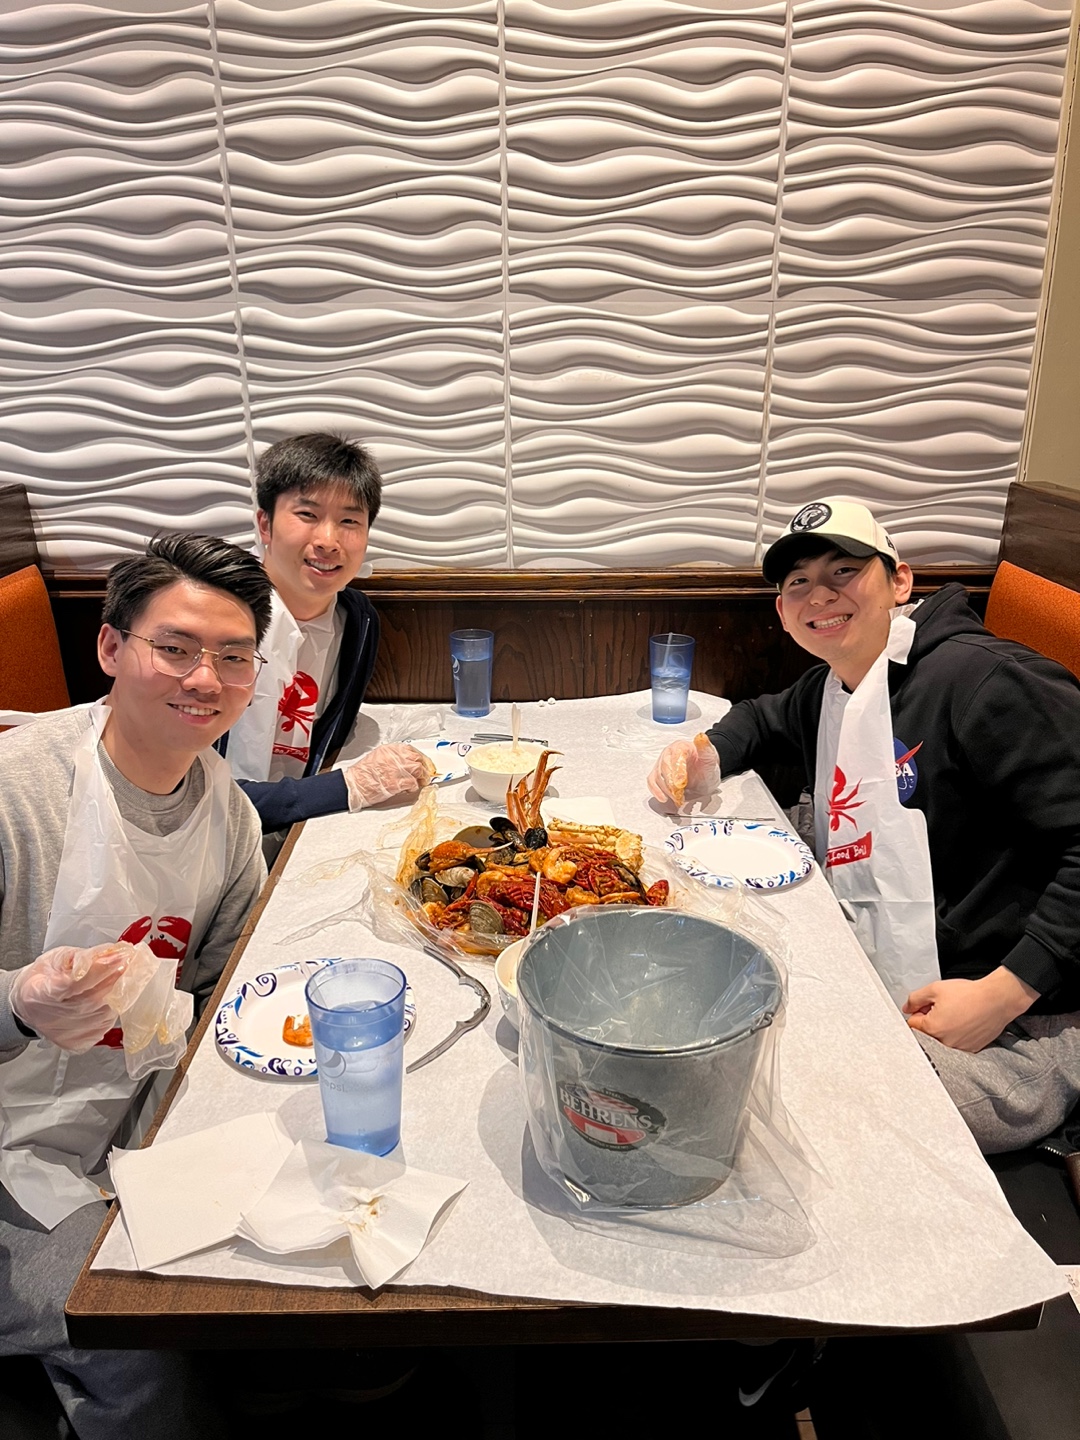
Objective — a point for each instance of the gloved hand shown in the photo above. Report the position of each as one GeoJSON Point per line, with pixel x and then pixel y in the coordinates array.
{"type": "Point", "coordinates": [386, 771]}
{"type": "Point", "coordinates": [687, 771]}
{"type": "Point", "coordinates": [62, 994]}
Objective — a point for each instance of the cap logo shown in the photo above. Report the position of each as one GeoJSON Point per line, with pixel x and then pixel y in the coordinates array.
{"type": "Point", "coordinates": [811, 517]}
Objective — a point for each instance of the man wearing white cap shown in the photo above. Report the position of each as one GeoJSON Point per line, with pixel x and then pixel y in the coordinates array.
{"type": "Point", "coordinates": [946, 779]}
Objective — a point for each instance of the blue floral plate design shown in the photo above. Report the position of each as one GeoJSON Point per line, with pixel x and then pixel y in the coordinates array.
{"type": "Point", "coordinates": [248, 1026]}
{"type": "Point", "coordinates": [448, 757]}
{"type": "Point", "coordinates": [729, 853]}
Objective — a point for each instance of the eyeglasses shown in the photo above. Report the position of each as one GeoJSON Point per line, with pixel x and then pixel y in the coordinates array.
{"type": "Point", "coordinates": [178, 658]}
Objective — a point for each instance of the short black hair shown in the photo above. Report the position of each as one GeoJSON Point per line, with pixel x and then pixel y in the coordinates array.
{"type": "Point", "coordinates": [815, 545]}
{"type": "Point", "coordinates": [316, 461]}
{"type": "Point", "coordinates": [202, 559]}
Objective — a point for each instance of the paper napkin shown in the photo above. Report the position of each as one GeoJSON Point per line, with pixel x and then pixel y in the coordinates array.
{"type": "Point", "coordinates": [325, 1191]}
{"type": "Point", "coordinates": [179, 1196]}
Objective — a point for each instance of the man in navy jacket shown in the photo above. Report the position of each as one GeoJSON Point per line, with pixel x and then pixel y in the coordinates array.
{"type": "Point", "coordinates": [984, 733]}
{"type": "Point", "coordinates": [317, 495]}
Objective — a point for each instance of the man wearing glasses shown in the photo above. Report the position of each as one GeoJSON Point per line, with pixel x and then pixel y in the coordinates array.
{"type": "Point", "coordinates": [117, 822]}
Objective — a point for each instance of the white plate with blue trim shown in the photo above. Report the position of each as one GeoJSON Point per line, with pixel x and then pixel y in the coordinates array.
{"type": "Point", "coordinates": [448, 757]}
{"type": "Point", "coordinates": [249, 1026]}
{"type": "Point", "coordinates": [726, 853]}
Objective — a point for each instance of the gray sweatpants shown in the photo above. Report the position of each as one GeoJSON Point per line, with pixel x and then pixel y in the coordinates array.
{"type": "Point", "coordinates": [106, 1394]}
{"type": "Point", "coordinates": [1018, 1089]}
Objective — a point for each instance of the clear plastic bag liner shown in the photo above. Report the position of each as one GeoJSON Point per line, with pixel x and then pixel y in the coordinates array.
{"type": "Point", "coordinates": [393, 913]}
{"type": "Point", "coordinates": [649, 1044]}
{"type": "Point", "coordinates": [413, 723]}
{"type": "Point", "coordinates": [152, 1012]}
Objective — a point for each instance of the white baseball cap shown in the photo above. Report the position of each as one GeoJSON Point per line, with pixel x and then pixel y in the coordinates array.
{"type": "Point", "coordinates": [848, 527]}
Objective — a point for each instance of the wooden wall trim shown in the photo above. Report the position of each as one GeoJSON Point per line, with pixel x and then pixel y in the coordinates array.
{"type": "Point", "coordinates": [520, 585]}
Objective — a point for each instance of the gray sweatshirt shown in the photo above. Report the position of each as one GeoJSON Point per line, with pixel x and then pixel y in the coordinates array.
{"type": "Point", "coordinates": [36, 769]}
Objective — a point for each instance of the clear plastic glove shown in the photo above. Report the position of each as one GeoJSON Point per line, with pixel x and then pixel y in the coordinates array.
{"type": "Point", "coordinates": [64, 995]}
{"type": "Point", "coordinates": [687, 772]}
{"type": "Point", "coordinates": [386, 771]}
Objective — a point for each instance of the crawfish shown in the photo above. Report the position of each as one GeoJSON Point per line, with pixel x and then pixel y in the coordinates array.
{"type": "Point", "coordinates": [519, 893]}
{"type": "Point", "coordinates": [657, 894]}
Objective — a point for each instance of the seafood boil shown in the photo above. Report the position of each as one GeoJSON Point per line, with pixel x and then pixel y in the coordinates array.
{"type": "Point", "coordinates": [483, 882]}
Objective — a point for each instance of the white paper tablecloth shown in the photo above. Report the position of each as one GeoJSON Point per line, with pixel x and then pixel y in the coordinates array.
{"type": "Point", "coordinates": [912, 1228]}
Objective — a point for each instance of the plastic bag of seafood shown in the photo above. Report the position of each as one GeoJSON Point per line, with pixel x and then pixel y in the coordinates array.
{"type": "Point", "coordinates": [470, 885]}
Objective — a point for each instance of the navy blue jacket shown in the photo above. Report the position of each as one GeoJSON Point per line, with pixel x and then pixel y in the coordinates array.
{"type": "Point", "coordinates": [281, 803]}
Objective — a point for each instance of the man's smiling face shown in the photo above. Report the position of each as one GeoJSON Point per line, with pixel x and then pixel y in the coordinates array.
{"type": "Point", "coordinates": [314, 544]}
{"type": "Point", "coordinates": [837, 607]}
{"type": "Point", "coordinates": [159, 712]}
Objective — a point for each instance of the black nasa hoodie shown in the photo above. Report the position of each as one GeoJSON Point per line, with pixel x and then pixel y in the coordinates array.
{"type": "Point", "coordinates": [987, 740]}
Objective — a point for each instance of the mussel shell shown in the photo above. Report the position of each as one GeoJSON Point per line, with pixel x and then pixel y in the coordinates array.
{"type": "Point", "coordinates": [500, 855]}
{"type": "Point", "coordinates": [480, 837]}
{"type": "Point", "coordinates": [485, 919]}
{"type": "Point", "coordinates": [502, 827]}
{"type": "Point", "coordinates": [423, 862]}
{"type": "Point", "coordinates": [535, 839]}
{"type": "Point", "coordinates": [632, 881]}
{"type": "Point", "coordinates": [455, 876]}
{"type": "Point", "coordinates": [426, 890]}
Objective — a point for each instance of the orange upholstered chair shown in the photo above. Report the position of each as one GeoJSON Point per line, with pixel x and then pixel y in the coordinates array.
{"type": "Point", "coordinates": [31, 671]}
{"type": "Point", "coordinates": [1038, 613]}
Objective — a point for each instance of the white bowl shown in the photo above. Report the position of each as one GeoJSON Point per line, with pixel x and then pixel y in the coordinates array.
{"type": "Point", "coordinates": [506, 979]}
{"type": "Point", "coordinates": [493, 784]}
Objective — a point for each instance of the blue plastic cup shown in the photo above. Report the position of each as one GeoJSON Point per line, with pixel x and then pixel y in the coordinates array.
{"type": "Point", "coordinates": [471, 652]}
{"type": "Point", "coordinates": [671, 658]}
{"type": "Point", "coordinates": [357, 1010]}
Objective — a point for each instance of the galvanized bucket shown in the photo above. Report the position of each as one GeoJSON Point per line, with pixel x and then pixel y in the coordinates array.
{"type": "Point", "coordinates": [640, 1033]}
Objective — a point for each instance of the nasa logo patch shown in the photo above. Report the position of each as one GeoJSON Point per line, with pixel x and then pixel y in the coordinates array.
{"type": "Point", "coordinates": [907, 772]}
{"type": "Point", "coordinates": [811, 517]}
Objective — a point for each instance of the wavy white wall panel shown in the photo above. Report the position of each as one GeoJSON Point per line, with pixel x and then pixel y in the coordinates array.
{"type": "Point", "coordinates": [122, 407]}
{"type": "Point", "coordinates": [363, 164]}
{"type": "Point", "coordinates": [643, 153]}
{"type": "Point", "coordinates": [916, 411]}
{"type": "Point", "coordinates": [920, 148]}
{"type": "Point", "coordinates": [610, 283]}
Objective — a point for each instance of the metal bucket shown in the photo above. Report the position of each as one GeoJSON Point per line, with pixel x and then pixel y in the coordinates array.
{"type": "Point", "coordinates": [640, 1033]}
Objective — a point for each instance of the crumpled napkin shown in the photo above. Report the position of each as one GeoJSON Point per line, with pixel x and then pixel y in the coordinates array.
{"type": "Point", "coordinates": [153, 1013]}
{"type": "Point", "coordinates": [325, 1191]}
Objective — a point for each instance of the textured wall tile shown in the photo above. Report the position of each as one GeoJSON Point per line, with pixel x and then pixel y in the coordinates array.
{"type": "Point", "coordinates": [636, 433]}
{"type": "Point", "coordinates": [122, 403]}
{"type": "Point", "coordinates": [423, 390]}
{"type": "Point", "coordinates": [916, 411]}
{"type": "Point", "coordinates": [642, 160]}
{"type": "Point", "coordinates": [643, 149]}
{"type": "Point", "coordinates": [920, 150]}
{"type": "Point", "coordinates": [363, 146]}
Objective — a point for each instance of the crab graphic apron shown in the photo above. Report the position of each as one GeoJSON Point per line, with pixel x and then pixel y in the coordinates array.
{"type": "Point", "coordinates": [273, 736]}
{"type": "Point", "coordinates": [251, 739]}
{"type": "Point", "coordinates": [873, 850]}
{"type": "Point", "coordinates": [58, 1111]}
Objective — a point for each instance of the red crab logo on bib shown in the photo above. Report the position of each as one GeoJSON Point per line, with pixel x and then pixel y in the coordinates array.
{"type": "Point", "coordinates": [297, 705]}
{"type": "Point", "coordinates": [297, 710]}
{"type": "Point", "coordinates": [168, 938]}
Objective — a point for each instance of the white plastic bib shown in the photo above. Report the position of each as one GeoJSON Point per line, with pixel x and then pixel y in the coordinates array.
{"type": "Point", "coordinates": [58, 1112]}
{"type": "Point", "coordinates": [874, 851]}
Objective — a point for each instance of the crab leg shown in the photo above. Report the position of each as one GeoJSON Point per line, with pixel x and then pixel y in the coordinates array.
{"type": "Point", "coordinates": [523, 800]}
